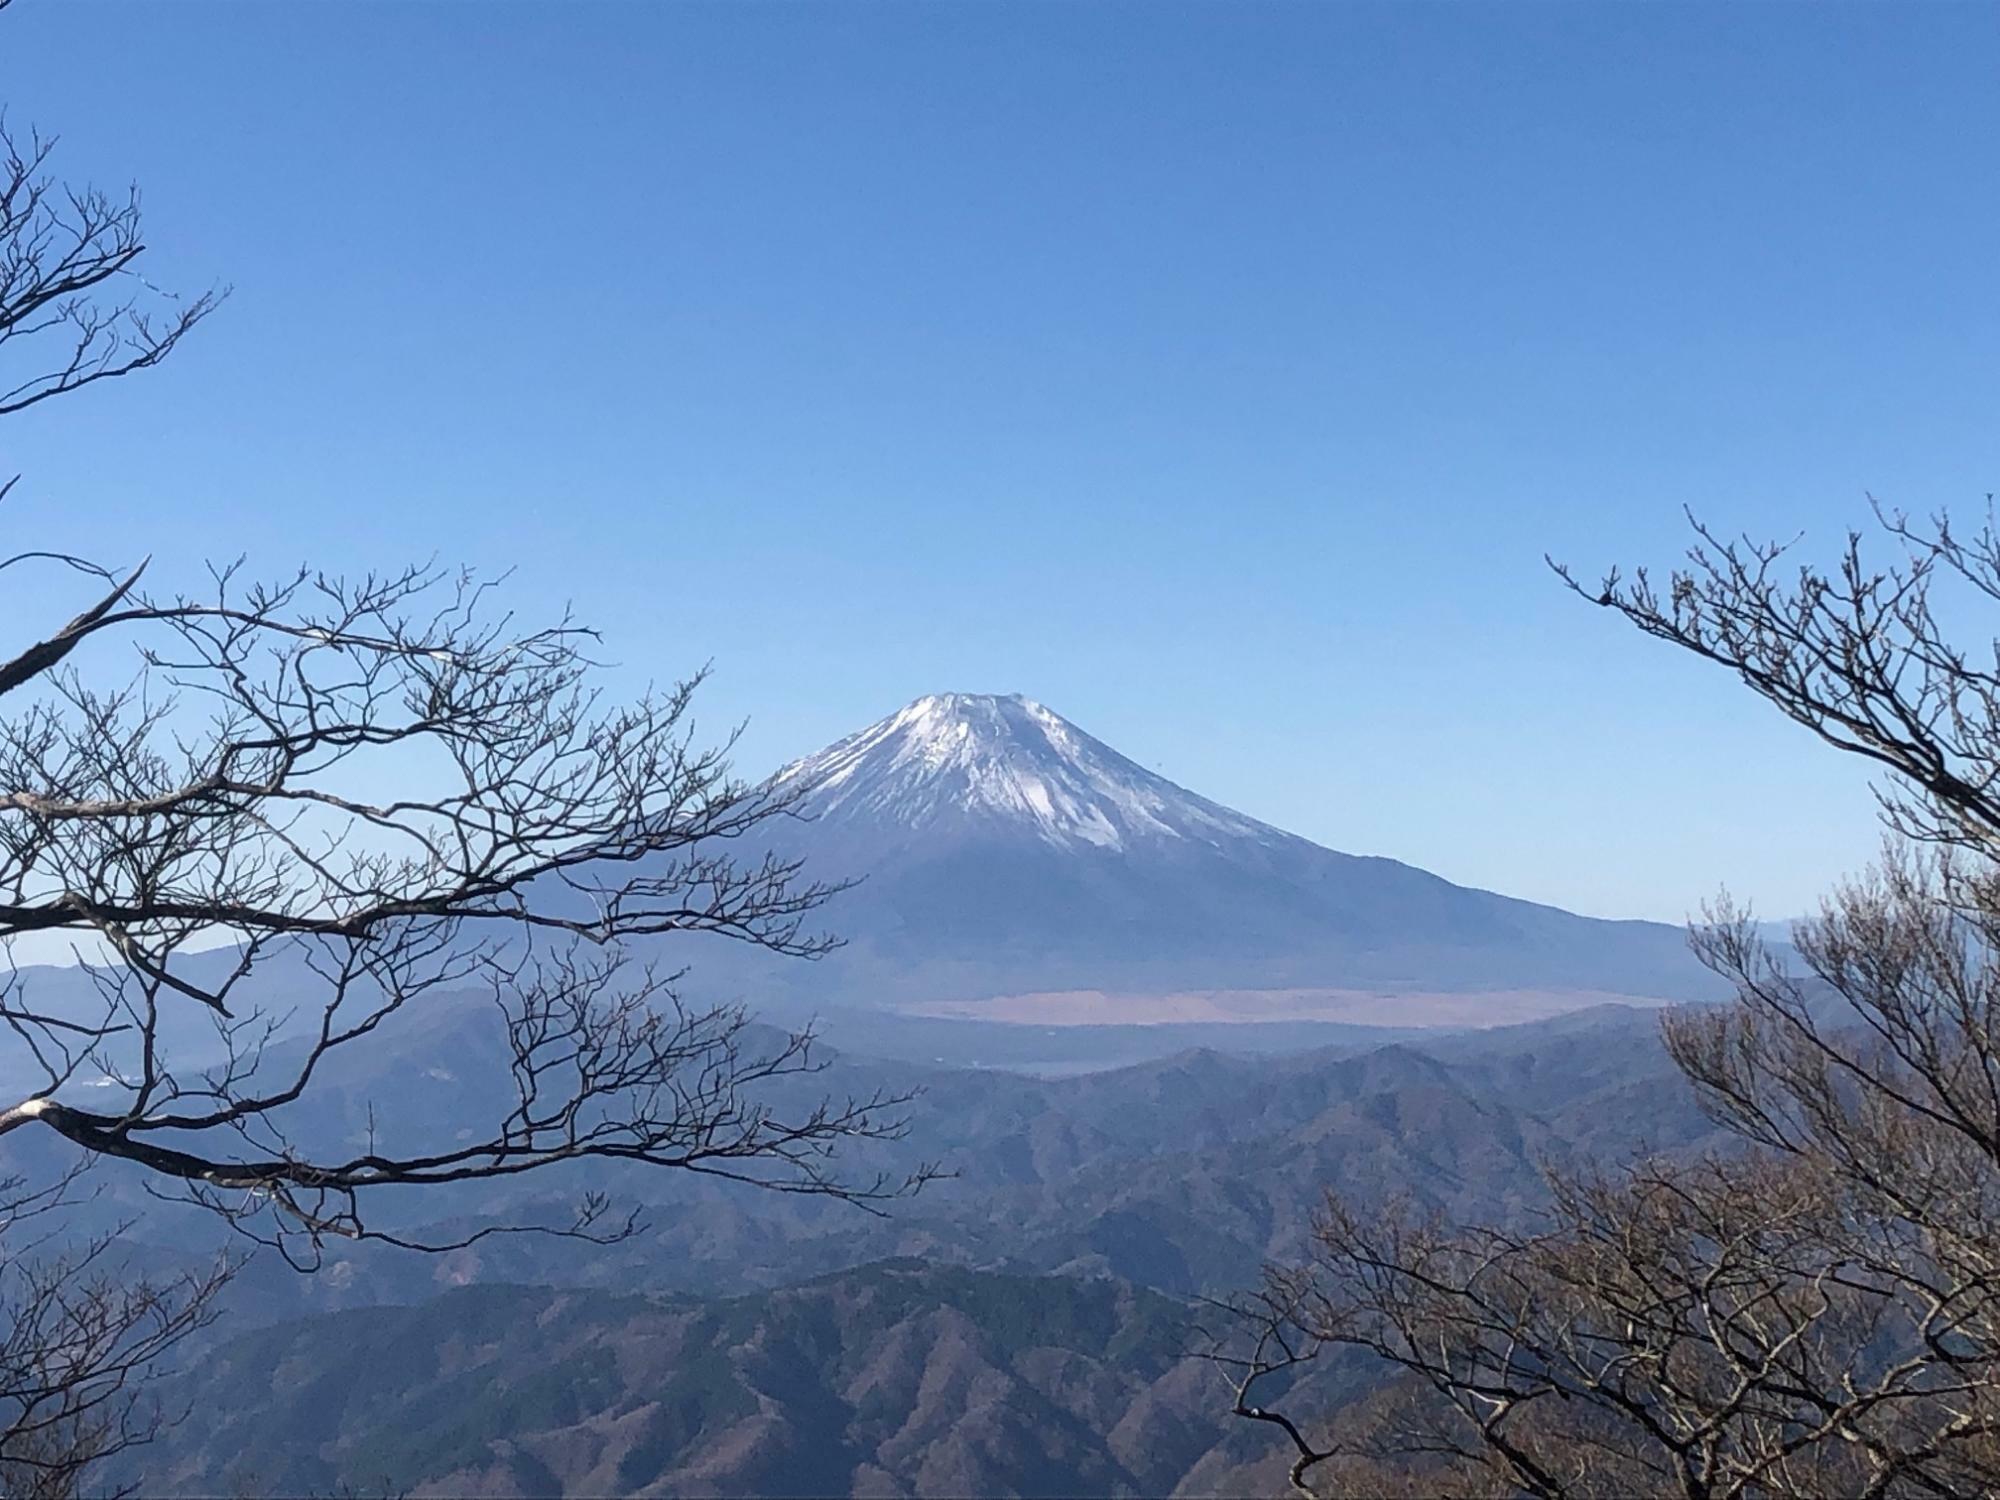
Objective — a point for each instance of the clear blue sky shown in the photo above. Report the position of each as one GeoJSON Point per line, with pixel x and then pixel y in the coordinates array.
{"type": "Point", "coordinates": [1217, 375]}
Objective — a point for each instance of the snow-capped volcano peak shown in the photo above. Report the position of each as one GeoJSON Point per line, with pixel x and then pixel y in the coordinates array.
{"type": "Point", "coordinates": [1001, 851]}
{"type": "Point", "coordinates": [989, 759]}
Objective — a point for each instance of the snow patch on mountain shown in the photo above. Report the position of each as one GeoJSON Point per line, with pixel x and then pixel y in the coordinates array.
{"type": "Point", "coordinates": [988, 759]}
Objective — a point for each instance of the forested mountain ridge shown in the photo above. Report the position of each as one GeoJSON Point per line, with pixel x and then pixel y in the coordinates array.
{"type": "Point", "coordinates": [1020, 1330]}
{"type": "Point", "coordinates": [890, 1379]}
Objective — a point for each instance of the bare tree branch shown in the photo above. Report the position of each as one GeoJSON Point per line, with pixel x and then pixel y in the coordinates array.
{"type": "Point", "coordinates": [216, 795]}
{"type": "Point", "coordinates": [73, 308]}
{"type": "Point", "coordinates": [1818, 1312]}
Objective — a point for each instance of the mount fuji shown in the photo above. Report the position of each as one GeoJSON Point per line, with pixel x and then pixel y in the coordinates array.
{"type": "Point", "coordinates": [1007, 767]}
{"type": "Point", "coordinates": [1013, 867]}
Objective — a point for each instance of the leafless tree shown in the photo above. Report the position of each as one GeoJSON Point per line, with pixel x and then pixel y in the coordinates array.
{"type": "Point", "coordinates": [389, 796]}
{"type": "Point", "coordinates": [78, 1336]}
{"type": "Point", "coordinates": [378, 794]}
{"type": "Point", "coordinates": [1815, 1312]}
{"type": "Point", "coordinates": [278, 823]}
{"type": "Point", "coordinates": [78, 1330]}
{"type": "Point", "coordinates": [74, 308]}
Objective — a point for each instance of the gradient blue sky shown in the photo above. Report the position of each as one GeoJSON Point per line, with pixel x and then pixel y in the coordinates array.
{"type": "Point", "coordinates": [1216, 374]}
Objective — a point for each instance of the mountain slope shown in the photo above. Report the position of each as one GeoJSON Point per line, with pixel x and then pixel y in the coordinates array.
{"type": "Point", "coordinates": [891, 1379]}
{"type": "Point", "coordinates": [1005, 851]}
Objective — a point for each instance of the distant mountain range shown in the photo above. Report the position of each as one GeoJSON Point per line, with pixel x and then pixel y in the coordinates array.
{"type": "Point", "coordinates": [796, 1347]}
{"type": "Point", "coordinates": [1015, 868]}
{"type": "Point", "coordinates": [1182, 1173]}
